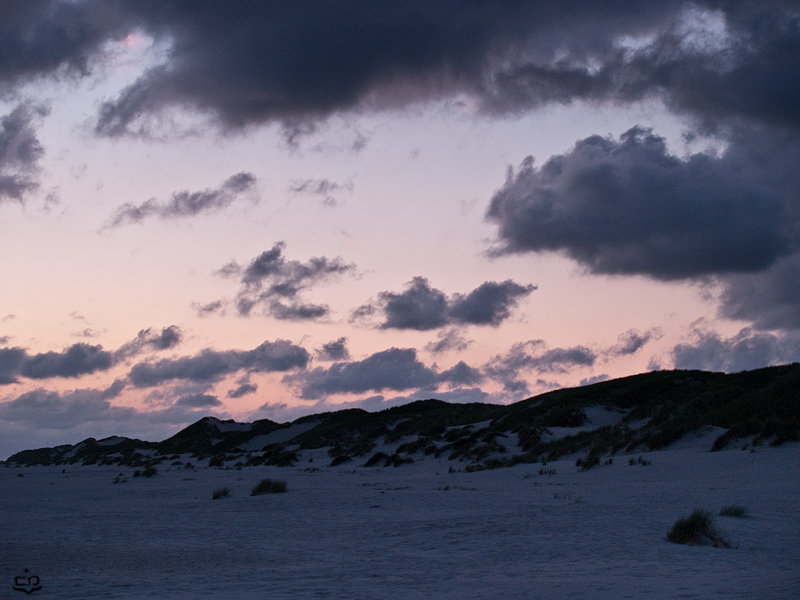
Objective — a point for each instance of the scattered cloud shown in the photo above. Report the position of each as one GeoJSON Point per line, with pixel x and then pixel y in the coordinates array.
{"type": "Point", "coordinates": [148, 340]}
{"type": "Point", "coordinates": [326, 189]}
{"type": "Point", "coordinates": [54, 410]}
{"type": "Point", "coordinates": [186, 204]}
{"type": "Point", "coordinates": [272, 285]}
{"type": "Point", "coordinates": [79, 359]}
{"type": "Point", "coordinates": [593, 379]}
{"type": "Point", "coordinates": [447, 340]}
{"type": "Point", "coordinates": [211, 365]}
{"type": "Point", "coordinates": [394, 369]}
{"type": "Point", "coordinates": [243, 390]}
{"type": "Point", "coordinates": [335, 350]}
{"type": "Point", "coordinates": [632, 341]}
{"type": "Point", "coordinates": [534, 356]}
{"type": "Point", "coordinates": [746, 350]}
{"type": "Point", "coordinates": [198, 401]}
{"type": "Point", "coordinates": [20, 152]}
{"type": "Point", "coordinates": [461, 374]}
{"type": "Point", "coordinates": [210, 308]}
{"type": "Point", "coordinates": [422, 307]}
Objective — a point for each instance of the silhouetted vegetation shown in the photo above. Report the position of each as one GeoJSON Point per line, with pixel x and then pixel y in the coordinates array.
{"type": "Point", "coordinates": [655, 409]}
{"type": "Point", "coordinates": [697, 528]}
{"type": "Point", "coordinates": [222, 492]}
{"type": "Point", "coordinates": [734, 510]}
{"type": "Point", "coordinates": [269, 486]}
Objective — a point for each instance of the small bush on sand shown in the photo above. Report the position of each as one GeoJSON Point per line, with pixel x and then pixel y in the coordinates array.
{"type": "Point", "coordinates": [697, 528]}
{"type": "Point", "coordinates": [222, 492]}
{"type": "Point", "coordinates": [377, 459]}
{"type": "Point", "coordinates": [269, 486]}
{"type": "Point", "coordinates": [740, 512]}
{"type": "Point", "coordinates": [149, 472]}
{"type": "Point", "coordinates": [340, 460]}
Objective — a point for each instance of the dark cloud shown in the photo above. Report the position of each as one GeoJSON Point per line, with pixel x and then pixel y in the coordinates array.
{"type": "Point", "coordinates": [448, 339]}
{"type": "Point", "coordinates": [76, 360]}
{"type": "Point", "coordinates": [272, 285]}
{"type": "Point", "coordinates": [593, 379]}
{"type": "Point", "coordinates": [297, 65]}
{"type": "Point", "coordinates": [198, 401]}
{"type": "Point", "coordinates": [187, 204]}
{"type": "Point", "coordinates": [771, 299]}
{"type": "Point", "coordinates": [212, 365]}
{"type": "Point", "coordinates": [746, 350]}
{"type": "Point", "coordinates": [46, 37]}
{"type": "Point", "coordinates": [534, 356]}
{"type": "Point", "coordinates": [461, 374]}
{"type": "Point", "coordinates": [149, 340]}
{"type": "Point", "coordinates": [20, 152]}
{"type": "Point", "coordinates": [488, 304]}
{"type": "Point", "coordinates": [394, 369]}
{"type": "Point", "coordinates": [629, 207]}
{"type": "Point", "coordinates": [632, 341]}
{"type": "Point", "coordinates": [210, 308]}
{"type": "Point", "coordinates": [422, 307]}
{"type": "Point", "coordinates": [324, 188]}
{"type": "Point", "coordinates": [335, 350]}
{"type": "Point", "coordinates": [243, 390]}
{"type": "Point", "coordinates": [54, 410]}
{"type": "Point", "coordinates": [11, 360]}
{"type": "Point", "coordinates": [419, 307]}
{"type": "Point", "coordinates": [79, 359]}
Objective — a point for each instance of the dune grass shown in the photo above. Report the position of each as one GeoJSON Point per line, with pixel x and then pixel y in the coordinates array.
{"type": "Point", "coordinates": [696, 529]}
{"type": "Point", "coordinates": [222, 492]}
{"type": "Point", "coordinates": [269, 486]}
{"type": "Point", "coordinates": [734, 510]}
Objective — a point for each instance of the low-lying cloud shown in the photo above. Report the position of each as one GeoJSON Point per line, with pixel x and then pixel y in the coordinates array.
{"type": "Point", "coordinates": [421, 307]}
{"type": "Point", "coordinates": [747, 350]}
{"type": "Point", "coordinates": [212, 365]}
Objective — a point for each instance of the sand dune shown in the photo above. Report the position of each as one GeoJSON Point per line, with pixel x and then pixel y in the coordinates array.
{"type": "Point", "coordinates": [416, 531]}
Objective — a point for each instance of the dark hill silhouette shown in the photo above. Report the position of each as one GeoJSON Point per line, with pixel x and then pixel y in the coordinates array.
{"type": "Point", "coordinates": [653, 409]}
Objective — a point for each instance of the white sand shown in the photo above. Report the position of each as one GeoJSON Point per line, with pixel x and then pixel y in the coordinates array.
{"type": "Point", "coordinates": [350, 532]}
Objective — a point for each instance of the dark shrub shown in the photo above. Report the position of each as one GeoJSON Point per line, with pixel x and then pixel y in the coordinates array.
{"type": "Point", "coordinates": [222, 492]}
{"type": "Point", "coordinates": [340, 460]}
{"type": "Point", "coordinates": [149, 472]}
{"type": "Point", "coordinates": [697, 528]}
{"type": "Point", "coordinates": [269, 486]}
{"type": "Point", "coordinates": [377, 459]}
{"type": "Point", "coordinates": [740, 512]}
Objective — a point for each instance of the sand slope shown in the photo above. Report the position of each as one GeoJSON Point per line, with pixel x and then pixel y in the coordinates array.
{"type": "Point", "coordinates": [416, 531]}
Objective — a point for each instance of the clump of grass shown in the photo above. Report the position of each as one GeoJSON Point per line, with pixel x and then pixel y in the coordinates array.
{"type": "Point", "coordinates": [697, 528]}
{"type": "Point", "coordinates": [269, 486]}
{"type": "Point", "coordinates": [148, 472]}
{"type": "Point", "coordinates": [740, 512]}
{"type": "Point", "coordinates": [340, 460]}
{"type": "Point", "coordinates": [222, 492]}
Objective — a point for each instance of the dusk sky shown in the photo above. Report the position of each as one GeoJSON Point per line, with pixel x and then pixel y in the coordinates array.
{"type": "Point", "coordinates": [267, 209]}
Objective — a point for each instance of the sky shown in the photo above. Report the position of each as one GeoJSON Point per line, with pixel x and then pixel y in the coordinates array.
{"type": "Point", "coordinates": [266, 210]}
